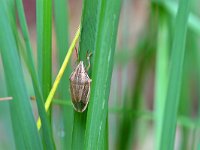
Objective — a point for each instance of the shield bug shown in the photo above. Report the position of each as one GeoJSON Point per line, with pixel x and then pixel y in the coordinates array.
{"type": "Point", "coordinates": [80, 86]}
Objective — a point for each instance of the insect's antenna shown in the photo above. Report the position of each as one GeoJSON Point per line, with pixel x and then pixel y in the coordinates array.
{"type": "Point", "coordinates": [77, 53]}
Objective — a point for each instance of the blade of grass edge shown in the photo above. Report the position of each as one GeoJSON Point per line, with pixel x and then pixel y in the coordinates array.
{"type": "Point", "coordinates": [161, 74]}
{"type": "Point", "coordinates": [175, 71]}
{"type": "Point", "coordinates": [39, 30]}
{"type": "Point", "coordinates": [186, 103]}
{"type": "Point", "coordinates": [196, 131]}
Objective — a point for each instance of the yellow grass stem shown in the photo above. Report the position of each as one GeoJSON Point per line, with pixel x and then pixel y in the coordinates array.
{"type": "Point", "coordinates": [60, 74]}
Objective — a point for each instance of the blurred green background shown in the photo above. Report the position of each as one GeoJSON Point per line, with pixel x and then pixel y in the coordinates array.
{"type": "Point", "coordinates": [152, 76]}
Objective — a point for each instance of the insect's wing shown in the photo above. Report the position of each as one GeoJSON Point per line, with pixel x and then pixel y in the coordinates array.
{"type": "Point", "coordinates": [71, 76]}
{"type": "Point", "coordinates": [80, 88]}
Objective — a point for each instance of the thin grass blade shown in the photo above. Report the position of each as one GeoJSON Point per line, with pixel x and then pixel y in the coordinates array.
{"type": "Point", "coordinates": [47, 134]}
{"type": "Point", "coordinates": [39, 28]}
{"type": "Point", "coordinates": [25, 131]}
{"type": "Point", "coordinates": [175, 74]}
{"type": "Point", "coordinates": [47, 48]}
{"type": "Point", "coordinates": [161, 73]}
{"type": "Point", "coordinates": [171, 7]}
{"type": "Point", "coordinates": [62, 42]}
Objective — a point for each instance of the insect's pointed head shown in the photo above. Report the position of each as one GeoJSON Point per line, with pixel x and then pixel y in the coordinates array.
{"type": "Point", "coordinates": [81, 64]}
{"type": "Point", "coordinates": [81, 67]}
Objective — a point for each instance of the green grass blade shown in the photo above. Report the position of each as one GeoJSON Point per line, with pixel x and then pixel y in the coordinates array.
{"type": "Point", "coordinates": [185, 106]}
{"type": "Point", "coordinates": [196, 131]}
{"type": "Point", "coordinates": [62, 42]}
{"type": "Point", "coordinates": [175, 72]}
{"type": "Point", "coordinates": [172, 7]}
{"type": "Point", "coordinates": [39, 28]}
{"type": "Point", "coordinates": [46, 49]}
{"type": "Point", "coordinates": [44, 41]}
{"type": "Point", "coordinates": [87, 43]}
{"type": "Point", "coordinates": [78, 130]}
{"type": "Point", "coordinates": [47, 134]}
{"type": "Point", "coordinates": [101, 74]}
{"type": "Point", "coordinates": [5, 115]}
{"type": "Point", "coordinates": [44, 24]}
{"type": "Point", "coordinates": [161, 74]}
{"type": "Point", "coordinates": [24, 126]}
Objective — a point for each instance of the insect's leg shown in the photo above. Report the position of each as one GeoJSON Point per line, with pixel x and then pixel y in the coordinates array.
{"type": "Point", "coordinates": [76, 52]}
{"type": "Point", "coordinates": [88, 59]}
{"type": "Point", "coordinates": [77, 60]}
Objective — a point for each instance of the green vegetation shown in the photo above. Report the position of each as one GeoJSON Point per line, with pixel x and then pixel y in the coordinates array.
{"type": "Point", "coordinates": [144, 89]}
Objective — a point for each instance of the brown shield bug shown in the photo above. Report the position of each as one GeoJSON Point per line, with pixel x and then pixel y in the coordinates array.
{"type": "Point", "coordinates": [80, 86]}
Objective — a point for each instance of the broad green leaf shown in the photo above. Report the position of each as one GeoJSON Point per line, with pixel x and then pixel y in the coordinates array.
{"type": "Point", "coordinates": [96, 126]}
{"type": "Point", "coordinates": [90, 17]}
{"type": "Point", "coordinates": [99, 24]}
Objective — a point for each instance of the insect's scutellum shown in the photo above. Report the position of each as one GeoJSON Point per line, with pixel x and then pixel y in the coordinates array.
{"type": "Point", "coordinates": [80, 87]}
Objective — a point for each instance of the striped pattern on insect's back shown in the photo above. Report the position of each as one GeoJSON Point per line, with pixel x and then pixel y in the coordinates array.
{"type": "Point", "coordinates": [77, 91]}
{"type": "Point", "coordinates": [79, 75]}
{"type": "Point", "coordinates": [80, 87]}
{"type": "Point", "coordinates": [80, 96]}
{"type": "Point", "coordinates": [86, 94]}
